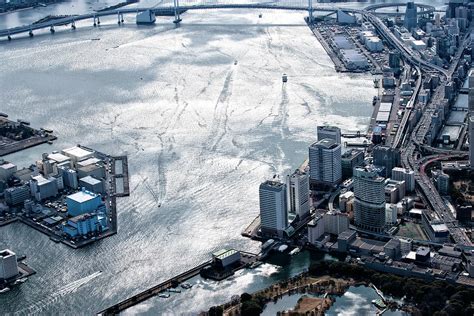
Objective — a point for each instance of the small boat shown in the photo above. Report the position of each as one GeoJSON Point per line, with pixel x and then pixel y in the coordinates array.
{"type": "Point", "coordinates": [164, 295]}
{"type": "Point", "coordinates": [235, 62]}
{"type": "Point", "coordinates": [295, 251]}
{"type": "Point", "coordinates": [186, 285]}
{"type": "Point", "coordinates": [260, 16]}
{"type": "Point", "coordinates": [23, 122]}
{"type": "Point", "coordinates": [4, 290]}
{"type": "Point", "coordinates": [376, 83]}
{"type": "Point", "coordinates": [3, 114]}
{"type": "Point", "coordinates": [379, 304]}
{"type": "Point", "coordinates": [255, 264]}
{"type": "Point", "coordinates": [282, 248]}
{"type": "Point", "coordinates": [174, 290]}
{"type": "Point", "coordinates": [50, 142]}
{"type": "Point", "coordinates": [284, 78]}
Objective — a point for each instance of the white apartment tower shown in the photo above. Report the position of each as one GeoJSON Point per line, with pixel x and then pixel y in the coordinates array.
{"type": "Point", "coordinates": [325, 162]}
{"type": "Point", "coordinates": [273, 207]}
{"type": "Point", "coordinates": [407, 175]}
{"type": "Point", "coordinates": [297, 189]}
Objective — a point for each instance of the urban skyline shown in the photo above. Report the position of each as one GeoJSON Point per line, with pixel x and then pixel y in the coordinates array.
{"type": "Point", "coordinates": [238, 153]}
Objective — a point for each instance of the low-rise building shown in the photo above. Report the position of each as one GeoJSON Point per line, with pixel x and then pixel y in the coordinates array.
{"type": "Point", "coordinates": [85, 224]}
{"type": "Point", "coordinates": [83, 202]}
{"type": "Point", "coordinates": [8, 264]}
{"type": "Point", "coordinates": [17, 195]}
{"type": "Point", "coordinates": [92, 184]}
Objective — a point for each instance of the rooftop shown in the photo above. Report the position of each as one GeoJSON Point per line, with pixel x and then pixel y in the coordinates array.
{"type": "Point", "coordinates": [6, 252]}
{"type": "Point", "coordinates": [90, 161]}
{"type": "Point", "coordinates": [77, 152]}
{"type": "Point", "coordinates": [58, 157]}
{"type": "Point", "coordinates": [82, 196]}
{"type": "Point", "coordinates": [326, 143]}
{"type": "Point", "coordinates": [90, 180]}
{"type": "Point", "coordinates": [7, 165]}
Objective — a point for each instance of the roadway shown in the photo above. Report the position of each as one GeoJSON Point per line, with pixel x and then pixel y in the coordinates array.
{"type": "Point", "coordinates": [160, 10]}
{"type": "Point", "coordinates": [410, 154]}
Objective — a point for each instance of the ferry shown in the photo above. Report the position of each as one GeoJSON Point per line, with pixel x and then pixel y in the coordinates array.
{"type": "Point", "coordinates": [284, 78]}
{"type": "Point", "coordinates": [164, 295]}
{"type": "Point", "coordinates": [4, 290]}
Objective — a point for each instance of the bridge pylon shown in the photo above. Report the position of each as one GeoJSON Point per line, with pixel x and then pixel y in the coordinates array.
{"type": "Point", "coordinates": [310, 11]}
{"type": "Point", "coordinates": [177, 17]}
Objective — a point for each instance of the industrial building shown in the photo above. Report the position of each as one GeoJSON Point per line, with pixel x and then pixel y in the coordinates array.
{"type": "Point", "coordinates": [226, 258]}
{"type": "Point", "coordinates": [83, 202]}
{"type": "Point", "coordinates": [146, 17]}
{"type": "Point", "coordinates": [297, 188]}
{"type": "Point", "coordinates": [369, 191]}
{"type": "Point", "coordinates": [77, 153]}
{"type": "Point", "coordinates": [92, 184]}
{"type": "Point", "coordinates": [85, 224]}
{"type": "Point", "coordinates": [345, 18]}
{"type": "Point", "coordinates": [273, 208]}
{"type": "Point", "coordinates": [43, 188]}
{"type": "Point", "coordinates": [7, 169]}
{"type": "Point", "coordinates": [8, 264]}
{"type": "Point", "coordinates": [325, 162]}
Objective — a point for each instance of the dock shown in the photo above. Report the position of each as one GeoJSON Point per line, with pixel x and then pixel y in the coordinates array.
{"type": "Point", "coordinates": [9, 145]}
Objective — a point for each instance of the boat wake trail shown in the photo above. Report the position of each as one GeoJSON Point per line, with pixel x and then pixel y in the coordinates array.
{"type": "Point", "coordinates": [37, 307]}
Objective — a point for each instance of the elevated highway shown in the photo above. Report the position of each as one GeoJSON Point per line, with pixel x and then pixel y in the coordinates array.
{"type": "Point", "coordinates": [425, 8]}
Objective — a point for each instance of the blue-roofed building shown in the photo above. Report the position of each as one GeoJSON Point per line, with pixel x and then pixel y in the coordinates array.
{"type": "Point", "coordinates": [83, 202]}
{"type": "Point", "coordinates": [85, 224]}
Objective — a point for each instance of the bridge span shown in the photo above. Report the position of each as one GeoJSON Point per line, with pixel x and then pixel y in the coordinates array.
{"type": "Point", "coordinates": [173, 9]}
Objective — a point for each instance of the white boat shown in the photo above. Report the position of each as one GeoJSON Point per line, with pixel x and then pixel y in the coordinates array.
{"type": "Point", "coordinates": [282, 248]}
{"type": "Point", "coordinates": [4, 290]}
{"type": "Point", "coordinates": [267, 244]}
{"type": "Point", "coordinates": [164, 295]}
{"type": "Point", "coordinates": [186, 286]}
{"type": "Point", "coordinates": [295, 251]}
{"type": "Point", "coordinates": [174, 290]}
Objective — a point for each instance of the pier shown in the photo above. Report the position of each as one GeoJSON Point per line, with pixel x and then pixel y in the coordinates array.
{"type": "Point", "coordinates": [10, 145]}
{"type": "Point", "coordinates": [155, 290]}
